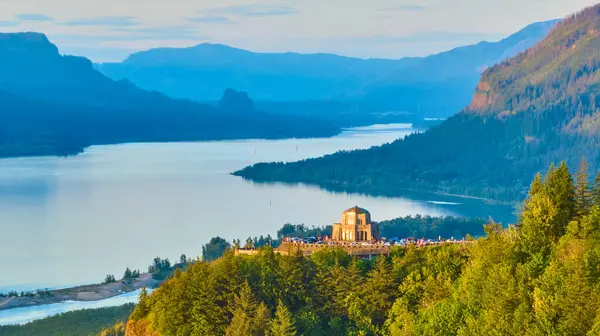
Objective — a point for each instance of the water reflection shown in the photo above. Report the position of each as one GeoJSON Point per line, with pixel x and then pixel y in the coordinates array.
{"type": "Point", "coordinates": [68, 221]}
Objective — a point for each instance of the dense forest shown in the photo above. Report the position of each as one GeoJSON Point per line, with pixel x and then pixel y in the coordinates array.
{"type": "Point", "coordinates": [58, 105]}
{"type": "Point", "coordinates": [531, 110]}
{"type": "Point", "coordinates": [418, 226]}
{"type": "Point", "coordinates": [87, 322]}
{"type": "Point", "coordinates": [539, 276]}
{"type": "Point", "coordinates": [432, 227]}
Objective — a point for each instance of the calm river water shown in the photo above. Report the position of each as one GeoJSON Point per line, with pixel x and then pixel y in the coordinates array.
{"type": "Point", "coordinates": [69, 221]}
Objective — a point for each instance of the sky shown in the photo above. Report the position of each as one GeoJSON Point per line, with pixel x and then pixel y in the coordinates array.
{"type": "Point", "coordinates": [110, 30]}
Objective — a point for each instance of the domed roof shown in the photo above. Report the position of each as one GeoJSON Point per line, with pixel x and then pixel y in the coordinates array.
{"type": "Point", "coordinates": [357, 210]}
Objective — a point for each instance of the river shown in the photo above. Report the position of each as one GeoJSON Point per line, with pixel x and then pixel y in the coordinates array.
{"type": "Point", "coordinates": [28, 314]}
{"type": "Point", "coordinates": [70, 221]}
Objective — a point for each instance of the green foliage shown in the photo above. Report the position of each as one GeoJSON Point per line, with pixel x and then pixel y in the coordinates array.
{"type": "Point", "coordinates": [109, 279]}
{"type": "Point", "coordinates": [161, 269]}
{"type": "Point", "coordinates": [596, 190]}
{"type": "Point", "coordinates": [539, 107]}
{"type": "Point", "coordinates": [583, 194]}
{"type": "Point", "coordinates": [118, 329]}
{"type": "Point", "coordinates": [87, 322]}
{"type": "Point", "coordinates": [214, 249]}
{"type": "Point", "coordinates": [410, 226]}
{"type": "Point", "coordinates": [130, 276]}
{"type": "Point", "coordinates": [283, 323]}
{"type": "Point", "coordinates": [243, 313]}
{"type": "Point", "coordinates": [432, 227]}
{"type": "Point", "coordinates": [327, 293]}
{"type": "Point", "coordinates": [301, 230]}
{"type": "Point", "coordinates": [539, 277]}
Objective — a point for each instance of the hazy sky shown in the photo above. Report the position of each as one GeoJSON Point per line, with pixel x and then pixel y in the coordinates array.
{"type": "Point", "coordinates": [107, 30]}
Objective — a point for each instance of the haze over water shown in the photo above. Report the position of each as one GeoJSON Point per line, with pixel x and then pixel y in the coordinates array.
{"type": "Point", "coordinates": [68, 221]}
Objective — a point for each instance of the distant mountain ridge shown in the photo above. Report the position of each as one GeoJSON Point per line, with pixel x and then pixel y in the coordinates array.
{"type": "Point", "coordinates": [58, 105]}
{"type": "Point", "coordinates": [202, 72]}
{"type": "Point", "coordinates": [442, 84]}
{"type": "Point", "coordinates": [539, 107]}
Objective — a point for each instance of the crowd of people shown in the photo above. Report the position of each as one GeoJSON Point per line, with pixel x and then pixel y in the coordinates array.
{"type": "Point", "coordinates": [326, 240]}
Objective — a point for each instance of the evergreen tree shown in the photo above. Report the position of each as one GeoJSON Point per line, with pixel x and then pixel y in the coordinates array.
{"type": "Point", "coordinates": [379, 291]}
{"type": "Point", "coordinates": [295, 278]}
{"type": "Point", "coordinates": [536, 225]}
{"type": "Point", "coordinates": [536, 278]}
{"type": "Point", "coordinates": [215, 249]}
{"type": "Point", "coordinates": [596, 190]}
{"type": "Point", "coordinates": [561, 191]}
{"type": "Point", "coordinates": [261, 322]}
{"type": "Point", "coordinates": [537, 185]}
{"type": "Point", "coordinates": [128, 275]}
{"type": "Point", "coordinates": [243, 313]}
{"type": "Point", "coordinates": [142, 308]}
{"type": "Point", "coordinates": [117, 330]}
{"type": "Point", "coordinates": [583, 195]}
{"type": "Point", "coordinates": [109, 279]}
{"type": "Point", "coordinates": [283, 323]}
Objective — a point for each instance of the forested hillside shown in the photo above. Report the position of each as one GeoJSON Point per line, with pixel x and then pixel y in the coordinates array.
{"type": "Point", "coordinates": [538, 277]}
{"type": "Point", "coordinates": [86, 322]}
{"type": "Point", "coordinates": [534, 109]}
{"type": "Point", "coordinates": [57, 105]}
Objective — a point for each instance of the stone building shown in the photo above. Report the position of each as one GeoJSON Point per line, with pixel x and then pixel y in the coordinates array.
{"type": "Point", "coordinates": [355, 226]}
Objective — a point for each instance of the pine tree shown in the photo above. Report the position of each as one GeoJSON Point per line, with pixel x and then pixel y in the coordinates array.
{"type": "Point", "coordinates": [596, 190]}
{"type": "Point", "coordinates": [296, 274]}
{"type": "Point", "coordinates": [260, 324]}
{"type": "Point", "coordinates": [561, 191]}
{"type": "Point", "coordinates": [128, 275]}
{"type": "Point", "coordinates": [537, 223]}
{"type": "Point", "coordinates": [183, 259]}
{"type": "Point", "coordinates": [379, 291]}
{"type": "Point", "coordinates": [109, 279]}
{"type": "Point", "coordinates": [142, 308]}
{"type": "Point", "coordinates": [283, 323]}
{"type": "Point", "coordinates": [243, 313]}
{"type": "Point", "coordinates": [583, 194]}
{"type": "Point", "coordinates": [537, 185]}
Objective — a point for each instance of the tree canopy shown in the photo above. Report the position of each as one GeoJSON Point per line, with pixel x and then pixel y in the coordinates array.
{"type": "Point", "coordinates": [539, 276]}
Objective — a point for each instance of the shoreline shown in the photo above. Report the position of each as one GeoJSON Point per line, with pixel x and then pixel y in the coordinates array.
{"type": "Point", "coordinates": [85, 293]}
{"type": "Point", "coordinates": [84, 149]}
{"type": "Point", "coordinates": [376, 192]}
